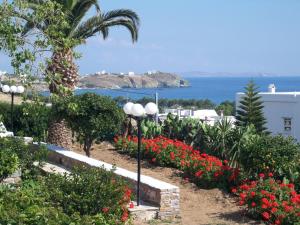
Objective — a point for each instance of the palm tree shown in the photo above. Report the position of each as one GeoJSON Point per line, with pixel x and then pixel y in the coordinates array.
{"type": "Point", "coordinates": [62, 70]}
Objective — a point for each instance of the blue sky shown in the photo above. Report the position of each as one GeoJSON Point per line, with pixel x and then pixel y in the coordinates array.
{"type": "Point", "coordinates": [200, 35]}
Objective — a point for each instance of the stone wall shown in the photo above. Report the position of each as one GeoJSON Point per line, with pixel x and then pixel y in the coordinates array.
{"type": "Point", "coordinates": [153, 191]}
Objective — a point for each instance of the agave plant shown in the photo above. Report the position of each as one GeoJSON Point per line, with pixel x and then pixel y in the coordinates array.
{"type": "Point", "coordinates": [150, 129]}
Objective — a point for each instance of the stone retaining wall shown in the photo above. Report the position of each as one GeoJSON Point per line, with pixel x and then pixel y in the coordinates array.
{"type": "Point", "coordinates": [159, 193]}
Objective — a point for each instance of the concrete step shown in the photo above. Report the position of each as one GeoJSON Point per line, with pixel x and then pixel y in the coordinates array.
{"type": "Point", "coordinates": [144, 212]}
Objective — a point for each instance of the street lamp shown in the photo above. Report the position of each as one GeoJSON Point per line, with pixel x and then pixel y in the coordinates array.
{"type": "Point", "coordinates": [12, 90]}
{"type": "Point", "coordinates": [138, 112]}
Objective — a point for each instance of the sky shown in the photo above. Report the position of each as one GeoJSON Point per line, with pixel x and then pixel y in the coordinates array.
{"type": "Point", "coordinates": [233, 36]}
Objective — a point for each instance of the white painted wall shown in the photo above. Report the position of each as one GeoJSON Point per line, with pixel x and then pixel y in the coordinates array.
{"type": "Point", "coordinates": [277, 106]}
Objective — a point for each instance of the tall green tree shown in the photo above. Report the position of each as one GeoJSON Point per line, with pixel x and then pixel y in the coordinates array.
{"type": "Point", "coordinates": [250, 109]}
{"type": "Point", "coordinates": [62, 72]}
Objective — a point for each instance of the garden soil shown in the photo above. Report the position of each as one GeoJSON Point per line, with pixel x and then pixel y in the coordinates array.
{"type": "Point", "coordinates": [198, 206]}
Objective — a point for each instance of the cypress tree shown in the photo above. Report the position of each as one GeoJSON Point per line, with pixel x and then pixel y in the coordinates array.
{"type": "Point", "coordinates": [250, 109]}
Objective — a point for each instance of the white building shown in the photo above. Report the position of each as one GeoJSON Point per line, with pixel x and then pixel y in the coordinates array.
{"type": "Point", "coordinates": [208, 116]}
{"type": "Point", "coordinates": [131, 73]}
{"type": "Point", "coordinates": [281, 110]}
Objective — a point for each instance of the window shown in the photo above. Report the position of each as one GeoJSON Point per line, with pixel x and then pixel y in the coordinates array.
{"type": "Point", "coordinates": [287, 123]}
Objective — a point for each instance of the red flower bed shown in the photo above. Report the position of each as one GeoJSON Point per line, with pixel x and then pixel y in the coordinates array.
{"type": "Point", "coordinates": [203, 169]}
{"type": "Point", "coordinates": [273, 201]}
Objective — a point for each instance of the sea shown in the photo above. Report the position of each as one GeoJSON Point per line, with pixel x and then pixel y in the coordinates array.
{"type": "Point", "coordinates": [216, 89]}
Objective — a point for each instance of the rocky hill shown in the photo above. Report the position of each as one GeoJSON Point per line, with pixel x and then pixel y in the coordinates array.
{"type": "Point", "coordinates": [116, 81]}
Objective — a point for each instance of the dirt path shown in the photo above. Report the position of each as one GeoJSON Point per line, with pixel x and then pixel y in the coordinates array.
{"type": "Point", "coordinates": [198, 206]}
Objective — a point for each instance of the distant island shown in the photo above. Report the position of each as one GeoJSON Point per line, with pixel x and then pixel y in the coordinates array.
{"type": "Point", "coordinates": [132, 80]}
{"type": "Point", "coordinates": [105, 80]}
{"type": "Point", "coordinates": [229, 74]}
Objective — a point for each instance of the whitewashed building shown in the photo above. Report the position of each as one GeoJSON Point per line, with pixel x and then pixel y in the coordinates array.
{"type": "Point", "coordinates": [208, 116]}
{"type": "Point", "coordinates": [281, 110]}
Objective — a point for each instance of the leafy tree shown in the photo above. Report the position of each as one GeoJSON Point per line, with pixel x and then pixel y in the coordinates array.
{"type": "Point", "coordinates": [93, 117]}
{"type": "Point", "coordinates": [250, 109]}
{"type": "Point", "coordinates": [227, 107]}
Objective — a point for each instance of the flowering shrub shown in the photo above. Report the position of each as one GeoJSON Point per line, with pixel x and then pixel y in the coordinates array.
{"type": "Point", "coordinates": [273, 201]}
{"type": "Point", "coordinates": [85, 196]}
{"type": "Point", "coordinates": [201, 168]}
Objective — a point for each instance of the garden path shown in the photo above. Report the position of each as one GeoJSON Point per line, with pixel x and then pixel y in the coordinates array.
{"type": "Point", "coordinates": [198, 206]}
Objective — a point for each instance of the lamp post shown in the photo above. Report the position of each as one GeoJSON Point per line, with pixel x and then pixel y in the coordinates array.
{"type": "Point", "coordinates": [138, 112]}
{"type": "Point", "coordinates": [12, 90]}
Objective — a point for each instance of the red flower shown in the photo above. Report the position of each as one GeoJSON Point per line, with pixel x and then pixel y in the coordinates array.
{"type": "Point", "coordinates": [172, 155]}
{"type": "Point", "coordinates": [124, 216]}
{"type": "Point", "coordinates": [153, 160]}
{"type": "Point", "coordinates": [252, 193]}
{"type": "Point", "coordinates": [261, 175]}
{"type": "Point", "coordinates": [277, 222]}
{"type": "Point", "coordinates": [233, 190]}
{"type": "Point", "coordinates": [253, 204]}
{"type": "Point", "coordinates": [270, 174]}
{"type": "Point", "coordinates": [199, 173]}
{"type": "Point", "coordinates": [265, 215]}
{"type": "Point", "coordinates": [243, 195]}
{"type": "Point", "coordinates": [273, 210]}
{"type": "Point", "coordinates": [105, 209]}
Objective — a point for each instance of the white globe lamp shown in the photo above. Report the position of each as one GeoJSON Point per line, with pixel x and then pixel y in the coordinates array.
{"type": "Point", "coordinates": [151, 108]}
{"type": "Point", "coordinates": [20, 89]}
{"type": "Point", "coordinates": [6, 88]}
{"type": "Point", "coordinates": [128, 108]}
{"type": "Point", "coordinates": [137, 110]}
{"type": "Point", "coordinates": [13, 89]}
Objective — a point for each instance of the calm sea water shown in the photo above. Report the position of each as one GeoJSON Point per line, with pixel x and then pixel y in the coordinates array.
{"type": "Point", "coordinates": [216, 89]}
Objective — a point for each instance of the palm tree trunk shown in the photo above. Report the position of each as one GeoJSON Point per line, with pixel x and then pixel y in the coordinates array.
{"type": "Point", "coordinates": [62, 73]}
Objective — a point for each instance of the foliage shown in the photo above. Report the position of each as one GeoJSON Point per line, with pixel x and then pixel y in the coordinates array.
{"type": "Point", "coordinates": [25, 154]}
{"type": "Point", "coordinates": [93, 117]}
{"type": "Point", "coordinates": [225, 141]}
{"type": "Point", "coordinates": [227, 107]}
{"type": "Point", "coordinates": [201, 168]}
{"type": "Point", "coordinates": [276, 154]}
{"type": "Point", "coordinates": [150, 129]}
{"type": "Point", "coordinates": [24, 48]}
{"type": "Point", "coordinates": [9, 163]}
{"type": "Point", "coordinates": [182, 129]}
{"type": "Point", "coordinates": [273, 201]}
{"type": "Point", "coordinates": [88, 191]}
{"type": "Point", "coordinates": [90, 196]}
{"type": "Point", "coordinates": [250, 109]}
{"type": "Point", "coordinates": [30, 119]}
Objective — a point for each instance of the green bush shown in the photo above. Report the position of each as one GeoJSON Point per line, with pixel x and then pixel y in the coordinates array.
{"type": "Point", "coordinates": [9, 163]}
{"type": "Point", "coordinates": [30, 205]}
{"type": "Point", "coordinates": [277, 154]}
{"type": "Point", "coordinates": [29, 119]}
{"type": "Point", "coordinates": [24, 154]}
{"type": "Point", "coordinates": [93, 117]}
{"type": "Point", "coordinates": [88, 191]}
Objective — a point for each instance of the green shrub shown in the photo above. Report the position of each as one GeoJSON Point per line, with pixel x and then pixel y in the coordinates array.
{"type": "Point", "coordinates": [29, 119]}
{"type": "Point", "coordinates": [9, 163]}
{"type": "Point", "coordinates": [93, 117]}
{"type": "Point", "coordinates": [25, 154]}
{"type": "Point", "coordinates": [276, 154]}
{"type": "Point", "coordinates": [88, 191]}
{"type": "Point", "coordinates": [29, 204]}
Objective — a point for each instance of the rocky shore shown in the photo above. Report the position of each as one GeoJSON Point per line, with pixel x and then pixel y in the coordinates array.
{"type": "Point", "coordinates": [116, 81]}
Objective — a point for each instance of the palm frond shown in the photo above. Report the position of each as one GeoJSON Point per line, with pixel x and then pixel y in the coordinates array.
{"type": "Point", "coordinates": [103, 22]}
